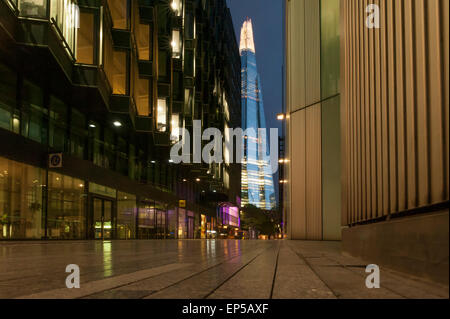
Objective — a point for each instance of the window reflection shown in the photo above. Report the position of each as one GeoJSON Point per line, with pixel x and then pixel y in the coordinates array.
{"type": "Point", "coordinates": [85, 42]}
{"type": "Point", "coordinates": [66, 214]}
{"type": "Point", "coordinates": [162, 115]}
{"type": "Point", "coordinates": [120, 69]}
{"type": "Point", "coordinates": [8, 84]}
{"type": "Point", "coordinates": [177, 7]}
{"type": "Point", "coordinates": [142, 96]}
{"type": "Point", "coordinates": [175, 124]}
{"type": "Point", "coordinates": [119, 13]}
{"type": "Point", "coordinates": [33, 8]}
{"type": "Point", "coordinates": [20, 200]}
{"type": "Point", "coordinates": [176, 44]}
{"type": "Point", "coordinates": [126, 216]}
{"type": "Point", "coordinates": [143, 39]}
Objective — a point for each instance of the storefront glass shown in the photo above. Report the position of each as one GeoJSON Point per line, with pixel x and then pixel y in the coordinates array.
{"type": "Point", "coordinates": [182, 227]}
{"type": "Point", "coordinates": [20, 200]}
{"type": "Point", "coordinates": [171, 223]}
{"type": "Point", "coordinates": [66, 207]}
{"type": "Point", "coordinates": [126, 216]}
{"type": "Point", "coordinates": [146, 220]}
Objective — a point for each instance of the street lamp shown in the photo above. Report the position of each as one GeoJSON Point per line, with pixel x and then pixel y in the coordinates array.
{"type": "Point", "coordinates": [281, 117]}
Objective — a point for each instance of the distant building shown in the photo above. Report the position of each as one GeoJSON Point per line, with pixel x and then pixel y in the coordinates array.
{"type": "Point", "coordinates": [257, 180]}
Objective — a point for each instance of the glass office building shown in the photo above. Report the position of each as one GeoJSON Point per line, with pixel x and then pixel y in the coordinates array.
{"type": "Point", "coordinates": [105, 84]}
{"type": "Point", "coordinates": [257, 181]}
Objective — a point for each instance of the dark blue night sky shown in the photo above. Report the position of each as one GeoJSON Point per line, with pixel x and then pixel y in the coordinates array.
{"type": "Point", "coordinates": [268, 21]}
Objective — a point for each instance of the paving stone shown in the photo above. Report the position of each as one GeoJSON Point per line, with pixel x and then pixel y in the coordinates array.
{"type": "Point", "coordinates": [254, 281]}
{"type": "Point", "coordinates": [296, 280]}
{"type": "Point", "coordinates": [197, 269]}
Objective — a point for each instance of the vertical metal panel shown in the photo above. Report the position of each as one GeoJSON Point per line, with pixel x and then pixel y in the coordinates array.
{"type": "Point", "coordinates": [392, 108]}
{"type": "Point", "coordinates": [400, 85]}
{"type": "Point", "coordinates": [331, 171]}
{"type": "Point", "coordinates": [377, 138]}
{"type": "Point", "coordinates": [422, 104]}
{"type": "Point", "coordinates": [312, 51]}
{"type": "Point", "coordinates": [298, 171]}
{"type": "Point", "coordinates": [373, 92]}
{"type": "Point", "coordinates": [444, 11]}
{"type": "Point", "coordinates": [366, 122]}
{"type": "Point", "coordinates": [358, 106]}
{"type": "Point", "coordinates": [436, 127]}
{"type": "Point", "coordinates": [346, 162]}
{"type": "Point", "coordinates": [313, 173]}
{"type": "Point", "coordinates": [383, 160]}
{"type": "Point", "coordinates": [396, 107]}
{"type": "Point", "coordinates": [296, 54]}
{"type": "Point", "coordinates": [411, 107]}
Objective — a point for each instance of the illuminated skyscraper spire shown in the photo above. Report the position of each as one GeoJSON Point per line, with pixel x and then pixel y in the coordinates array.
{"type": "Point", "coordinates": [247, 43]}
{"type": "Point", "coordinates": [257, 181]}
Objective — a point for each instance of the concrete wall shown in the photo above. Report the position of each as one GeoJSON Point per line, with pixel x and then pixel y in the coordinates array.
{"type": "Point", "coordinates": [418, 245]}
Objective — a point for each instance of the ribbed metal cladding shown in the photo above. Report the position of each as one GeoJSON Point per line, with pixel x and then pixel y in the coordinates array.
{"type": "Point", "coordinates": [394, 107]}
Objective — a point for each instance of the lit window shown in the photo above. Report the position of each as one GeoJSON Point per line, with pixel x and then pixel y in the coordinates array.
{"type": "Point", "coordinates": [119, 13]}
{"type": "Point", "coordinates": [162, 115]}
{"type": "Point", "coordinates": [175, 123]}
{"type": "Point", "coordinates": [33, 8]}
{"type": "Point", "coordinates": [142, 97]}
{"type": "Point", "coordinates": [176, 44]}
{"type": "Point", "coordinates": [119, 72]}
{"type": "Point", "coordinates": [85, 41]}
{"type": "Point", "coordinates": [143, 38]}
{"type": "Point", "coordinates": [65, 15]}
{"type": "Point", "coordinates": [176, 6]}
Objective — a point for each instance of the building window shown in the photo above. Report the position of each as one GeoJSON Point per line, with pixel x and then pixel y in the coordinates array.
{"type": "Point", "coordinates": [58, 121]}
{"type": "Point", "coordinates": [119, 13]}
{"type": "Point", "coordinates": [162, 115]}
{"type": "Point", "coordinates": [66, 209]}
{"type": "Point", "coordinates": [34, 114]}
{"type": "Point", "coordinates": [142, 96]}
{"type": "Point", "coordinates": [117, 72]}
{"type": "Point", "coordinates": [176, 44]}
{"type": "Point", "coordinates": [66, 15]}
{"type": "Point", "coordinates": [20, 200]}
{"type": "Point", "coordinates": [188, 101]}
{"type": "Point", "coordinates": [162, 64]}
{"type": "Point", "coordinates": [146, 220]}
{"type": "Point", "coordinates": [189, 63]}
{"type": "Point", "coordinates": [77, 133]}
{"type": "Point", "coordinates": [177, 7]}
{"type": "Point", "coordinates": [189, 26]}
{"type": "Point", "coordinates": [85, 41]}
{"type": "Point", "coordinates": [126, 216]}
{"type": "Point", "coordinates": [175, 124]}
{"type": "Point", "coordinates": [33, 8]}
{"type": "Point", "coordinates": [143, 40]}
{"type": "Point", "coordinates": [8, 80]}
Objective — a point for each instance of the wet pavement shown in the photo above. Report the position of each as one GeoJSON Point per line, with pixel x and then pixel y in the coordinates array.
{"type": "Point", "coordinates": [195, 269]}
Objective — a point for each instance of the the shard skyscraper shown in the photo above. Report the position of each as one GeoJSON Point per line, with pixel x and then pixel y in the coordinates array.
{"type": "Point", "coordinates": [257, 180]}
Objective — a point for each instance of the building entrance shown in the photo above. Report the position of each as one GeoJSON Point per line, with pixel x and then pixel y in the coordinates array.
{"type": "Point", "coordinates": [103, 218]}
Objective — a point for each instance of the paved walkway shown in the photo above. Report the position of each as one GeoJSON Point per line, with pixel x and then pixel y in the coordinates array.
{"type": "Point", "coordinates": [196, 269]}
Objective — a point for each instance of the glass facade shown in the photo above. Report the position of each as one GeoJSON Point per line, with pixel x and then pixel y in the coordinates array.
{"type": "Point", "coordinates": [66, 211]}
{"type": "Point", "coordinates": [257, 180]}
{"type": "Point", "coordinates": [21, 188]}
{"type": "Point", "coordinates": [108, 103]}
{"type": "Point", "coordinates": [126, 216]}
